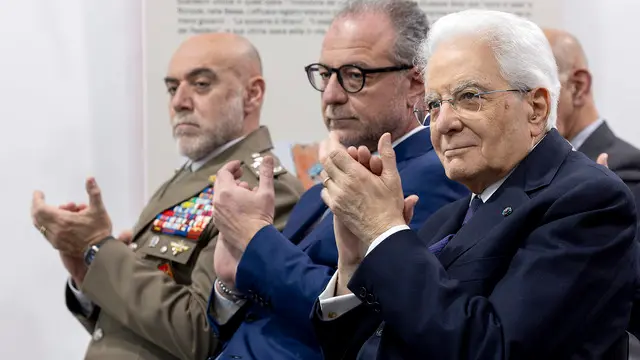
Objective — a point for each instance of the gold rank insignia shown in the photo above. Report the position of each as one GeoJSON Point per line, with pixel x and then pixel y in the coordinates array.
{"type": "Point", "coordinates": [212, 179]}
{"type": "Point", "coordinates": [178, 246]}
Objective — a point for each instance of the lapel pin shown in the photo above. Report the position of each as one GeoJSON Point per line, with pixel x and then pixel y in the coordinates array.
{"type": "Point", "coordinates": [212, 179]}
{"type": "Point", "coordinates": [507, 211]}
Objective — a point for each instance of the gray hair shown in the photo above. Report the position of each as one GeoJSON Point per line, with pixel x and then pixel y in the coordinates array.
{"type": "Point", "coordinates": [409, 21]}
{"type": "Point", "coordinates": [520, 47]}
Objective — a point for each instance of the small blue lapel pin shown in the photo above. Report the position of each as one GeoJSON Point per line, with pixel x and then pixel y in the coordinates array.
{"type": "Point", "coordinates": [507, 211]}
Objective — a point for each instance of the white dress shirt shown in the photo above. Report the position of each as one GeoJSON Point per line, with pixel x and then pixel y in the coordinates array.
{"type": "Point", "coordinates": [333, 306]}
{"type": "Point", "coordinates": [583, 135]}
{"type": "Point", "coordinates": [221, 302]}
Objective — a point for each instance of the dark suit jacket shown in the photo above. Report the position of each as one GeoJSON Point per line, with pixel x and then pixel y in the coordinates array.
{"type": "Point", "coordinates": [543, 270]}
{"type": "Point", "coordinates": [285, 272]}
{"type": "Point", "coordinates": [624, 158]}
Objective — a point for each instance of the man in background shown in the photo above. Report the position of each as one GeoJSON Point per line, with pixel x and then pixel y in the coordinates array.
{"type": "Point", "coordinates": [274, 278]}
{"type": "Point", "coordinates": [148, 300]}
{"type": "Point", "coordinates": [578, 118]}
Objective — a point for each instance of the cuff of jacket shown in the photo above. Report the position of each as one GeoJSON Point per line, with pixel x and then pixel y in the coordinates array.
{"type": "Point", "coordinates": [224, 331]}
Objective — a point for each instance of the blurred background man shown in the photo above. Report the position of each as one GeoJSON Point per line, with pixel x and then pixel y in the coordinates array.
{"type": "Point", "coordinates": [578, 118]}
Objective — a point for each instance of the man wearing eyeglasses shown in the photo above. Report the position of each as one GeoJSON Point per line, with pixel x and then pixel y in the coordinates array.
{"type": "Point", "coordinates": [538, 263]}
{"type": "Point", "coordinates": [368, 86]}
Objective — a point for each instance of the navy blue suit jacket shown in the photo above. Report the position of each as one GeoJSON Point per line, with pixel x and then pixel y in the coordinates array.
{"type": "Point", "coordinates": [285, 272]}
{"type": "Point", "coordinates": [543, 270]}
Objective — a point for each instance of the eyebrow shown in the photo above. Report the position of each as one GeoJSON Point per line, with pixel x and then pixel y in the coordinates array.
{"type": "Point", "coordinates": [193, 74]}
{"type": "Point", "coordinates": [465, 84]}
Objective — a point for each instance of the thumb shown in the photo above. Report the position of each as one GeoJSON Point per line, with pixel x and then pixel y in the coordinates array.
{"type": "Point", "coordinates": [409, 204]}
{"type": "Point", "coordinates": [126, 236]}
{"type": "Point", "coordinates": [387, 155]}
{"type": "Point", "coordinates": [266, 175]}
{"type": "Point", "coordinates": [603, 159]}
{"type": "Point", "coordinates": [95, 195]}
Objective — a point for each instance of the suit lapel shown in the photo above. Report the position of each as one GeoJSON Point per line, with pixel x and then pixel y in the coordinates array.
{"type": "Point", "coordinates": [488, 216]}
{"type": "Point", "coordinates": [305, 214]}
{"type": "Point", "coordinates": [415, 145]}
{"type": "Point", "coordinates": [325, 226]}
{"type": "Point", "coordinates": [192, 183]}
{"type": "Point", "coordinates": [598, 142]}
{"type": "Point", "coordinates": [450, 226]}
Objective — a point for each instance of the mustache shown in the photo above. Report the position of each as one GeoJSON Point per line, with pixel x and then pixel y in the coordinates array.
{"type": "Point", "coordinates": [331, 113]}
{"type": "Point", "coordinates": [184, 119]}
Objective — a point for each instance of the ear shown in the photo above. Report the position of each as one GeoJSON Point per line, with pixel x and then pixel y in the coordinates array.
{"type": "Point", "coordinates": [416, 87]}
{"type": "Point", "coordinates": [540, 102]}
{"type": "Point", "coordinates": [255, 94]}
{"type": "Point", "coordinates": [581, 80]}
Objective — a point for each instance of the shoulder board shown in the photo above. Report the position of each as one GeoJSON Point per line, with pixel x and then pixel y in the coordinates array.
{"type": "Point", "coordinates": [254, 162]}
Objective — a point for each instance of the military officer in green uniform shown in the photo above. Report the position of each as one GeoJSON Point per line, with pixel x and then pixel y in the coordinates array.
{"type": "Point", "coordinates": [146, 297]}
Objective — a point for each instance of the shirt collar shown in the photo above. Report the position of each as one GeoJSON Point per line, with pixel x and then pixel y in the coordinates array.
{"type": "Point", "coordinates": [195, 165]}
{"type": "Point", "coordinates": [404, 137]}
{"type": "Point", "coordinates": [583, 135]}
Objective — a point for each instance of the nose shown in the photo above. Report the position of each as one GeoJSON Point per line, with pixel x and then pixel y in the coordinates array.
{"type": "Point", "coordinates": [334, 93]}
{"type": "Point", "coordinates": [182, 100]}
{"type": "Point", "coordinates": [448, 120]}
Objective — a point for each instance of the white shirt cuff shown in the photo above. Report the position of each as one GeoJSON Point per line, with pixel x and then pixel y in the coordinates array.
{"type": "Point", "coordinates": [224, 308]}
{"type": "Point", "coordinates": [385, 235]}
{"type": "Point", "coordinates": [333, 306]}
{"type": "Point", "coordinates": [85, 304]}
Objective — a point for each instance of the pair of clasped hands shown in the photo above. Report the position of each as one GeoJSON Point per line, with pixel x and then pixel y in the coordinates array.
{"type": "Point", "coordinates": [364, 192]}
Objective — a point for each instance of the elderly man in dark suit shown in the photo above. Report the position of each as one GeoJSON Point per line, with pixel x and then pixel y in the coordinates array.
{"type": "Point", "coordinates": [538, 263]}
{"type": "Point", "coordinates": [578, 118]}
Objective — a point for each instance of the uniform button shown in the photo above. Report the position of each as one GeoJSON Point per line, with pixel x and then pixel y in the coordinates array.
{"type": "Point", "coordinates": [332, 315]}
{"type": "Point", "coordinates": [97, 334]}
{"type": "Point", "coordinates": [133, 246]}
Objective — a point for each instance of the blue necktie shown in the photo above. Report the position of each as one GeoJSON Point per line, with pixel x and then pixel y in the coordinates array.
{"type": "Point", "coordinates": [437, 247]}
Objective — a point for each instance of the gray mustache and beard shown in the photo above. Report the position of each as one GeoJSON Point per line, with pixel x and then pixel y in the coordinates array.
{"type": "Point", "coordinates": [356, 132]}
{"type": "Point", "coordinates": [196, 142]}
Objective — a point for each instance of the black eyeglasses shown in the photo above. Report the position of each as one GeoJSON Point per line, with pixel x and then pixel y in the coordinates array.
{"type": "Point", "coordinates": [350, 77]}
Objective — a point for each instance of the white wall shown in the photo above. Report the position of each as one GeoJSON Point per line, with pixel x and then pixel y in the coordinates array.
{"type": "Point", "coordinates": [609, 33]}
{"type": "Point", "coordinates": [70, 95]}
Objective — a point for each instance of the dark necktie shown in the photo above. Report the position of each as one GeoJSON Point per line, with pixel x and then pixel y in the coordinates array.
{"type": "Point", "coordinates": [473, 207]}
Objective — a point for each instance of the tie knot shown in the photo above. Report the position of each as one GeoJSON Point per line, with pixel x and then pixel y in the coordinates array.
{"type": "Point", "coordinates": [475, 204]}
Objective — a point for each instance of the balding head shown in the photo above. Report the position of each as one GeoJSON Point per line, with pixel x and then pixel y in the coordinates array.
{"type": "Point", "coordinates": [216, 88]}
{"type": "Point", "coordinates": [567, 51]}
{"type": "Point", "coordinates": [576, 108]}
{"type": "Point", "coordinates": [239, 53]}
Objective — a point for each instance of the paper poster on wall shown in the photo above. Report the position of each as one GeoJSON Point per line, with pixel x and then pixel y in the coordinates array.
{"type": "Point", "coordinates": [288, 34]}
